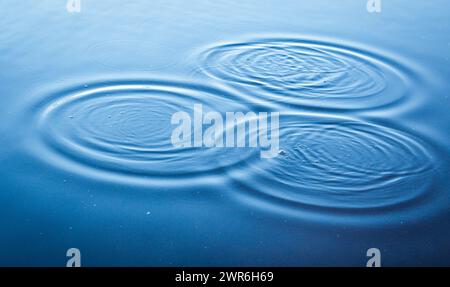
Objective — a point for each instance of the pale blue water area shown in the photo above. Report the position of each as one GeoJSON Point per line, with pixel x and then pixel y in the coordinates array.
{"type": "Point", "coordinates": [86, 158]}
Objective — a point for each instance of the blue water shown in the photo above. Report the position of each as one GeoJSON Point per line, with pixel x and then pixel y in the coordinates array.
{"type": "Point", "coordinates": [86, 158]}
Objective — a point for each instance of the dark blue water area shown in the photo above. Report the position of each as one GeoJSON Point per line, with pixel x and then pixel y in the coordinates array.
{"type": "Point", "coordinates": [87, 161]}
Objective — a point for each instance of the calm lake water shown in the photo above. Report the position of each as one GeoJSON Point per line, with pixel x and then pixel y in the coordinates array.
{"type": "Point", "coordinates": [86, 158]}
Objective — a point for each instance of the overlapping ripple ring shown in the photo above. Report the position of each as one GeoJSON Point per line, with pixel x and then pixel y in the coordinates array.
{"type": "Point", "coordinates": [339, 165]}
{"type": "Point", "coordinates": [300, 72]}
{"type": "Point", "coordinates": [122, 129]}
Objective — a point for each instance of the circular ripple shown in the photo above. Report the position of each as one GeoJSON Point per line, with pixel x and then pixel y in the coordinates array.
{"type": "Point", "coordinates": [125, 128]}
{"type": "Point", "coordinates": [340, 164]}
{"type": "Point", "coordinates": [312, 73]}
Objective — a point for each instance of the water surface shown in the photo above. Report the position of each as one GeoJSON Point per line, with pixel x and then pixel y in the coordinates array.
{"type": "Point", "coordinates": [87, 160]}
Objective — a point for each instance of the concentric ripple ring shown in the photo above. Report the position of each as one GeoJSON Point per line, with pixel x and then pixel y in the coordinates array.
{"type": "Point", "coordinates": [301, 72]}
{"type": "Point", "coordinates": [340, 165]}
{"type": "Point", "coordinates": [123, 129]}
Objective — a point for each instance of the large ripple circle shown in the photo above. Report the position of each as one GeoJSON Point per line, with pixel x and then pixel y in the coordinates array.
{"type": "Point", "coordinates": [124, 128]}
{"type": "Point", "coordinates": [342, 165]}
{"type": "Point", "coordinates": [312, 73]}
